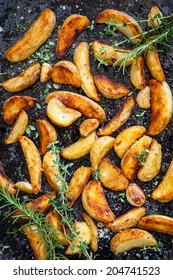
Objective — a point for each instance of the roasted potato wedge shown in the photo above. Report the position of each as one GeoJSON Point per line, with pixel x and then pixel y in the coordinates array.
{"type": "Point", "coordinates": [46, 72]}
{"type": "Point", "coordinates": [111, 176]}
{"type": "Point", "coordinates": [77, 184]}
{"type": "Point", "coordinates": [24, 186]}
{"type": "Point", "coordinates": [14, 104]}
{"type": "Point", "coordinates": [108, 88]}
{"type": "Point", "coordinates": [164, 191]}
{"type": "Point", "coordinates": [130, 239]}
{"type": "Point", "coordinates": [159, 223]}
{"type": "Point", "coordinates": [5, 182]}
{"type": "Point", "coordinates": [65, 72]}
{"type": "Point", "coordinates": [83, 236]}
{"type": "Point", "coordinates": [131, 29]}
{"type": "Point", "coordinates": [94, 232]}
{"type": "Point", "coordinates": [88, 126]}
{"type": "Point", "coordinates": [130, 162]}
{"type": "Point", "coordinates": [33, 161]}
{"type": "Point", "coordinates": [143, 98]}
{"type": "Point", "coordinates": [120, 118]}
{"type": "Point", "coordinates": [36, 35]}
{"type": "Point", "coordinates": [47, 134]}
{"type": "Point", "coordinates": [37, 242]}
{"type": "Point", "coordinates": [161, 107]}
{"type": "Point", "coordinates": [80, 148]}
{"type": "Point", "coordinates": [152, 164]}
{"type": "Point", "coordinates": [18, 128]}
{"type": "Point", "coordinates": [95, 202]}
{"type": "Point", "coordinates": [154, 16]}
{"type": "Point", "coordinates": [61, 115]}
{"type": "Point", "coordinates": [137, 73]}
{"type": "Point", "coordinates": [69, 31]}
{"type": "Point", "coordinates": [127, 220]}
{"type": "Point", "coordinates": [24, 80]}
{"type": "Point", "coordinates": [99, 149]}
{"type": "Point", "coordinates": [135, 195]}
{"type": "Point", "coordinates": [85, 105]}
{"type": "Point", "coordinates": [126, 138]}
{"type": "Point", "coordinates": [82, 62]}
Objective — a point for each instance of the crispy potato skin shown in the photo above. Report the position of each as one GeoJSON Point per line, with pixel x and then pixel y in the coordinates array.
{"type": "Point", "coordinates": [24, 186]}
{"type": "Point", "coordinates": [137, 73]}
{"type": "Point", "coordinates": [153, 64]}
{"type": "Point", "coordinates": [94, 232]}
{"type": "Point", "coordinates": [36, 35]}
{"type": "Point", "coordinates": [88, 126]}
{"type": "Point", "coordinates": [143, 98]}
{"type": "Point", "coordinates": [159, 223]}
{"type": "Point", "coordinates": [135, 195]}
{"type": "Point", "coordinates": [46, 72]}
{"type": "Point", "coordinates": [6, 182]}
{"type": "Point", "coordinates": [69, 31]}
{"type": "Point", "coordinates": [161, 107]}
{"type": "Point", "coordinates": [154, 21]}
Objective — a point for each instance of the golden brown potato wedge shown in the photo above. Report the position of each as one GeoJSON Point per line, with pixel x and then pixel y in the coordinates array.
{"type": "Point", "coordinates": [164, 191]}
{"type": "Point", "coordinates": [46, 72]}
{"type": "Point", "coordinates": [69, 31]}
{"type": "Point", "coordinates": [137, 73]}
{"type": "Point", "coordinates": [24, 80]}
{"type": "Point", "coordinates": [99, 149]}
{"type": "Point", "coordinates": [143, 98]}
{"type": "Point", "coordinates": [127, 220]}
{"type": "Point", "coordinates": [88, 126]}
{"type": "Point", "coordinates": [126, 138]}
{"type": "Point", "coordinates": [47, 134]}
{"type": "Point", "coordinates": [77, 184]}
{"type": "Point", "coordinates": [130, 29]}
{"type": "Point", "coordinates": [33, 161]}
{"type": "Point", "coordinates": [82, 62]}
{"type": "Point", "coordinates": [152, 164]}
{"type": "Point", "coordinates": [154, 16]}
{"type": "Point", "coordinates": [5, 182]}
{"type": "Point", "coordinates": [159, 223]}
{"type": "Point", "coordinates": [135, 195]}
{"type": "Point", "coordinates": [108, 88]}
{"type": "Point", "coordinates": [135, 156]}
{"type": "Point", "coordinates": [18, 128]}
{"type": "Point", "coordinates": [161, 107]}
{"type": "Point", "coordinates": [36, 35]}
{"type": "Point", "coordinates": [120, 118]}
{"type": "Point", "coordinates": [80, 148]}
{"type": "Point", "coordinates": [83, 104]}
{"type": "Point", "coordinates": [95, 202]}
{"type": "Point", "coordinates": [61, 115]}
{"type": "Point", "coordinates": [130, 239]}
{"type": "Point", "coordinates": [24, 186]}
{"type": "Point", "coordinates": [111, 176]}
{"type": "Point", "coordinates": [94, 232]}
{"type": "Point", "coordinates": [65, 72]}
{"type": "Point", "coordinates": [14, 104]}
{"type": "Point", "coordinates": [83, 236]}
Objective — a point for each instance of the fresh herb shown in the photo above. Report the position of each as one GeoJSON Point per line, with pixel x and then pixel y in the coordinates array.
{"type": "Point", "coordinates": [44, 54]}
{"type": "Point", "coordinates": [48, 87]}
{"type": "Point", "coordinates": [101, 61]}
{"type": "Point", "coordinates": [91, 26]}
{"type": "Point", "coordinates": [96, 174]}
{"type": "Point", "coordinates": [140, 114]}
{"type": "Point", "coordinates": [29, 129]}
{"type": "Point", "coordinates": [38, 106]}
{"type": "Point", "coordinates": [122, 197]}
{"type": "Point", "coordinates": [157, 248]}
{"type": "Point", "coordinates": [111, 27]}
{"type": "Point", "coordinates": [22, 26]}
{"type": "Point", "coordinates": [141, 157]}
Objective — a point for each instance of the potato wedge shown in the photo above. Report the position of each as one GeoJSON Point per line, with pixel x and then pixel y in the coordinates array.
{"type": "Point", "coordinates": [120, 118]}
{"type": "Point", "coordinates": [65, 72]}
{"type": "Point", "coordinates": [24, 80]}
{"type": "Point", "coordinates": [80, 148]}
{"type": "Point", "coordinates": [85, 105]}
{"type": "Point", "coordinates": [127, 220]}
{"type": "Point", "coordinates": [36, 35]}
{"type": "Point", "coordinates": [111, 176]}
{"type": "Point", "coordinates": [164, 191]}
{"type": "Point", "coordinates": [61, 115]}
{"type": "Point", "coordinates": [159, 223]}
{"type": "Point", "coordinates": [24, 186]}
{"type": "Point", "coordinates": [152, 164]}
{"type": "Point", "coordinates": [69, 31]}
{"type": "Point", "coordinates": [130, 162]}
{"type": "Point", "coordinates": [88, 126]}
{"type": "Point", "coordinates": [137, 73]}
{"type": "Point", "coordinates": [47, 134]}
{"type": "Point", "coordinates": [46, 72]}
{"type": "Point", "coordinates": [108, 88]}
{"type": "Point", "coordinates": [83, 236]}
{"type": "Point", "coordinates": [14, 104]}
{"type": "Point", "coordinates": [5, 182]}
{"type": "Point", "coordinates": [82, 62]}
{"type": "Point", "coordinates": [130, 239]}
{"type": "Point", "coordinates": [77, 184]}
{"type": "Point", "coordinates": [143, 98]}
{"type": "Point", "coordinates": [135, 195]}
{"type": "Point", "coordinates": [127, 137]}
{"type": "Point", "coordinates": [33, 161]}
{"type": "Point", "coordinates": [100, 148]}
{"type": "Point", "coordinates": [161, 107]}
{"type": "Point", "coordinates": [18, 128]}
{"type": "Point", "coordinates": [94, 232]}
{"type": "Point", "coordinates": [154, 16]}
{"type": "Point", "coordinates": [131, 29]}
{"type": "Point", "coordinates": [95, 202]}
